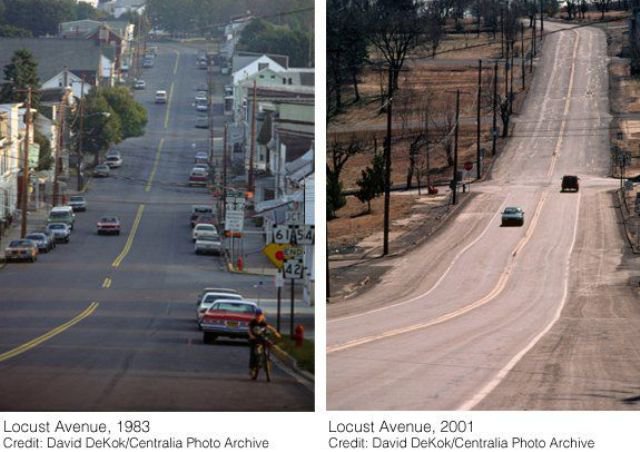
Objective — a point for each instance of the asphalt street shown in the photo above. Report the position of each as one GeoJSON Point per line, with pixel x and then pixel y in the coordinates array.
{"type": "Point", "coordinates": [489, 317]}
{"type": "Point", "coordinates": [108, 322]}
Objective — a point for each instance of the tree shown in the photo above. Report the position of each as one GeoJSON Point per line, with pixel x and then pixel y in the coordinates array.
{"type": "Point", "coordinates": [132, 115]}
{"type": "Point", "coordinates": [21, 73]}
{"type": "Point", "coordinates": [335, 199]}
{"type": "Point", "coordinates": [264, 37]}
{"type": "Point", "coordinates": [101, 124]}
{"type": "Point", "coordinates": [45, 159]}
{"type": "Point", "coordinates": [371, 181]}
{"type": "Point", "coordinates": [9, 31]}
{"type": "Point", "coordinates": [41, 17]}
{"type": "Point", "coordinates": [340, 153]}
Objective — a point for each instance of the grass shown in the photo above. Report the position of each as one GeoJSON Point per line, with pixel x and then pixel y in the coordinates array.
{"type": "Point", "coordinates": [305, 355]}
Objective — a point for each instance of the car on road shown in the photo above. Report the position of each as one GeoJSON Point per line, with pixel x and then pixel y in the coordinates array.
{"type": "Point", "coordinates": [113, 161]}
{"type": "Point", "coordinates": [198, 176]}
{"type": "Point", "coordinates": [161, 97]}
{"type": "Point", "coordinates": [208, 245]}
{"type": "Point", "coordinates": [101, 170]}
{"type": "Point", "coordinates": [204, 230]}
{"type": "Point", "coordinates": [570, 183]}
{"type": "Point", "coordinates": [202, 122]}
{"type": "Point", "coordinates": [147, 62]}
{"type": "Point", "coordinates": [202, 106]}
{"type": "Point", "coordinates": [199, 209]}
{"type": "Point", "coordinates": [202, 86]}
{"type": "Point", "coordinates": [113, 153]}
{"type": "Point", "coordinates": [78, 203]}
{"type": "Point", "coordinates": [61, 231]}
{"type": "Point", "coordinates": [203, 166]}
{"type": "Point", "coordinates": [512, 216]}
{"type": "Point", "coordinates": [201, 157]}
{"type": "Point", "coordinates": [42, 241]}
{"type": "Point", "coordinates": [139, 84]}
{"type": "Point", "coordinates": [62, 214]}
{"type": "Point", "coordinates": [229, 318]}
{"type": "Point", "coordinates": [201, 96]}
{"type": "Point", "coordinates": [206, 300]}
{"type": "Point", "coordinates": [21, 250]}
{"type": "Point", "coordinates": [203, 219]}
{"type": "Point", "coordinates": [108, 225]}
{"type": "Point", "coordinates": [49, 234]}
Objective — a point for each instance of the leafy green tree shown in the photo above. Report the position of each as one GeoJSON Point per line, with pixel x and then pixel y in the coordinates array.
{"type": "Point", "coordinates": [371, 181]}
{"type": "Point", "coordinates": [264, 37]}
{"type": "Point", "coordinates": [41, 17]}
{"type": "Point", "coordinates": [132, 115]}
{"type": "Point", "coordinates": [21, 73]}
{"type": "Point", "coordinates": [9, 31]}
{"type": "Point", "coordinates": [45, 159]}
{"type": "Point", "coordinates": [101, 125]}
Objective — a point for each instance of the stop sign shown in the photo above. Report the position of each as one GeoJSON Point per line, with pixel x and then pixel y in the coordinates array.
{"type": "Point", "coordinates": [468, 166]}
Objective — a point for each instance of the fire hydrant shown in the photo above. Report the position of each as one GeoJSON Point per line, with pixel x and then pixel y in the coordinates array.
{"type": "Point", "coordinates": [240, 263]}
{"type": "Point", "coordinates": [298, 335]}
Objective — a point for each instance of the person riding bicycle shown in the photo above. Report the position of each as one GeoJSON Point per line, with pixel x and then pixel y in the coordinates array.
{"type": "Point", "coordinates": [258, 326]}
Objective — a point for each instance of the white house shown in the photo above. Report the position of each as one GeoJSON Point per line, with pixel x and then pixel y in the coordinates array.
{"type": "Point", "coordinates": [244, 67]}
{"type": "Point", "coordinates": [10, 145]}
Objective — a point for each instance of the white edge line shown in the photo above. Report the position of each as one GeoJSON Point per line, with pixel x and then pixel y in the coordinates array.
{"type": "Point", "coordinates": [486, 390]}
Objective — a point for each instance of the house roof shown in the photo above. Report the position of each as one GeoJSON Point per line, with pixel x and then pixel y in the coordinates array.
{"type": "Point", "coordinates": [54, 54]}
{"type": "Point", "coordinates": [243, 59]}
{"type": "Point", "coordinates": [85, 28]}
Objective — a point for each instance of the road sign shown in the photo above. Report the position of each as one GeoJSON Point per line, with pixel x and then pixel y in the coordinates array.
{"type": "Point", "coordinates": [234, 213]}
{"type": "Point", "coordinates": [294, 268]}
{"type": "Point", "coordinates": [294, 217]}
{"type": "Point", "coordinates": [275, 253]}
{"type": "Point", "coordinates": [468, 166]}
{"type": "Point", "coordinates": [293, 252]}
{"type": "Point", "coordinates": [281, 234]}
{"type": "Point", "coordinates": [278, 280]}
{"type": "Point", "coordinates": [306, 235]}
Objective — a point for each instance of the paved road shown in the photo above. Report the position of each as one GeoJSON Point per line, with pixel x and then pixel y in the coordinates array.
{"type": "Point", "coordinates": [538, 317]}
{"type": "Point", "coordinates": [132, 342]}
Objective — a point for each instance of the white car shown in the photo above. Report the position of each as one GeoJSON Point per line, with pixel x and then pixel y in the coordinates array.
{"type": "Point", "coordinates": [201, 96]}
{"type": "Point", "coordinates": [208, 244]}
{"type": "Point", "coordinates": [113, 161]}
{"type": "Point", "coordinates": [161, 96]}
{"type": "Point", "coordinates": [201, 157]}
{"type": "Point", "coordinates": [202, 105]}
{"type": "Point", "coordinates": [61, 231]}
{"type": "Point", "coordinates": [207, 300]}
{"type": "Point", "coordinates": [204, 230]}
{"type": "Point", "coordinates": [139, 84]}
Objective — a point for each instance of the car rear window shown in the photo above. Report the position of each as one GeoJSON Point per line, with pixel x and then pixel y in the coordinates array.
{"type": "Point", "coordinates": [234, 308]}
{"type": "Point", "coordinates": [210, 298]}
{"type": "Point", "coordinates": [59, 214]}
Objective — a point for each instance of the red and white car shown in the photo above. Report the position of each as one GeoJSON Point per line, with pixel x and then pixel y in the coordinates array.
{"type": "Point", "coordinates": [227, 317]}
{"type": "Point", "coordinates": [109, 225]}
{"type": "Point", "coordinates": [198, 176]}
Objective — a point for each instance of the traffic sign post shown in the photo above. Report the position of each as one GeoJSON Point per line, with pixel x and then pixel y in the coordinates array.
{"type": "Point", "coordinates": [279, 281]}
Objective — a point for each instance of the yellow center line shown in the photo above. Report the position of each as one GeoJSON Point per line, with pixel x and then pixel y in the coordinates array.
{"type": "Point", "coordinates": [107, 283]}
{"type": "Point", "coordinates": [175, 66]}
{"type": "Point", "coordinates": [166, 115]}
{"type": "Point", "coordinates": [45, 337]}
{"type": "Point", "coordinates": [155, 166]}
{"type": "Point", "coordinates": [116, 263]}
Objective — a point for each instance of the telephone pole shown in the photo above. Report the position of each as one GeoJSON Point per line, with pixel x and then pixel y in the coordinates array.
{"type": "Point", "coordinates": [80, 134]}
{"type": "Point", "coordinates": [224, 173]}
{"type": "Point", "coordinates": [455, 149]}
{"type": "Point", "coordinates": [541, 20]}
{"type": "Point", "coordinates": [24, 201]}
{"type": "Point", "coordinates": [479, 171]}
{"type": "Point", "coordinates": [522, 53]}
{"type": "Point", "coordinates": [387, 166]}
{"type": "Point", "coordinates": [253, 142]}
{"type": "Point", "coordinates": [494, 131]}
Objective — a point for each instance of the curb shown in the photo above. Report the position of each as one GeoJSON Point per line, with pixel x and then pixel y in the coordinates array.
{"type": "Point", "coordinates": [291, 363]}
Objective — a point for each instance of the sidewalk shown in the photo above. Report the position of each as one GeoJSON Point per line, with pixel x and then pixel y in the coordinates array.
{"type": "Point", "coordinates": [254, 260]}
{"type": "Point", "coordinates": [36, 219]}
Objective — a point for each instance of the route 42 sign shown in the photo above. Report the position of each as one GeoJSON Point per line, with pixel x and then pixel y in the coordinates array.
{"type": "Point", "coordinates": [293, 268]}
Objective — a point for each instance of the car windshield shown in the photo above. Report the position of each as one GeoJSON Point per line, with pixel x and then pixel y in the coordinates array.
{"type": "Point", "coordinates": [20, 243]}
{"type": "Point", "coordinates": [56, 226]}
{"type": "Point", "coordinates": [238, 308]}
{"type": "Point", "coordinates": [511, 210]}
{"type": "Point", "coordinates": [112, 157]}
{"type": "Point", "coordinates": [35, 236]}
{"type": "Point", "coordinates": [77, 198]}
{"type": "Point", "coordinates": [108, 220]}
{"type": "Point", "coordinates": [210, 298]}
{"type": "Point", "coordinates": [205, 227]}
{"type": "Point", "coordinates": [58, 214]}
{"type": "Point", "coordinates": [208, 238]}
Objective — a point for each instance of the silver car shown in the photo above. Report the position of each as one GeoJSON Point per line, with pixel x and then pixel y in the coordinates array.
{"type": "Point", "coordinates": [61, 231]}
{"type": "Point", "coordinates": [78, 203]}
{"type": "Point", "coordinates": [101, 170]}
{"type": "Point", "coordinates": [208, 245]}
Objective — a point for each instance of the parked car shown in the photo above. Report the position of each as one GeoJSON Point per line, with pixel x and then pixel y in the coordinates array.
{"type": "Point", "coordinates": [101, 170]}
{"type": "Point", "coordinates": [202, 122]}
{"type": "Point", "coordinates": [21, 250]}
{"type": "Point", "coordinates": [206, 300]}
{"type": "Point", "coordinates": [161, 97]}
{"type": "Point", "coordinates": [147, 62]}
{"type": "Point", "coordinates": [139, 84]}
{"type": "Point", "coordinates": [204, 230]}
{"type": "Point", "coordinates": [62, 214]}
{"type": "Point", "coordinates": [203, 219]}
{"type": "Point", "coordinates": [113, 153]}
{"type": "Point", "coordinates": [202, 106]}
{"type": "Point", "coordinates": [227, 317]}
{"type": "Point", "coordinates": [113, 161]}
{"type": "Point", "coordinates": [78, 203]}
{"type": "Point", "coordinates": [208, 245]}
{"type": "Point", "coordinates": [202, 86]}
{"type": "Point", "coordinates": [201, 157]}
{"type": "Point", "coordinates": [198, 176]}
{"type": "Point", "coordinates": [201, 96]}
{"type": "Point", "coordinates": [202, 166]}
{"type": "Point", "coordinates": [61, 231]}
{"type": "Point", "coordinates": [513, 216]}
{"type": "Point", "coordinates": [108, 225]}
{"type": "Point", "coordinates": [41, 240]}
{"type": "Point", "coordinates": [570, 183]}
{"type": "Point", "coordinates": [197, 210]}
{"type": "Point", "coordinates": [50, 236]}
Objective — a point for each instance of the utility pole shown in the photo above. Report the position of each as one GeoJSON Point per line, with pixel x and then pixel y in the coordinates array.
{"type": "Point", "coordinates": [541, 20]}
{"type": "Point", "coordinates": [59, 148]}
{"type": "Point", "coordinates": [210, 110]}
{"type": "Point", "coordinates": [502, 32]}
{"type": "Point", "coordinates": [24, 201]}
{"type": "Point", "coordinates": [494, 131]}
{"type": "Point", "coordinates": [511, 82]}
{"type": "Point", "coordinates": [224, 172]}
{"type": "Point", "coordinates": [455, 149]}
{"type": "Point", "coordinates": [253, 142]}
{"type": "Point", "coordinates": [479, 171]}
{"type": "Point", "coordinates": [80, 134]}
{"type": "Point", "coordinates": [387, 166]}
{"type": "Point", "coordinates": [533, 40]}
{"type": "Point", "coordinates": [522, 52]}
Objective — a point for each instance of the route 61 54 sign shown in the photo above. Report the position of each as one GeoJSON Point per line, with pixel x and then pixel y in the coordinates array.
{"type": "Point", "coordinates": [293, 268]}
